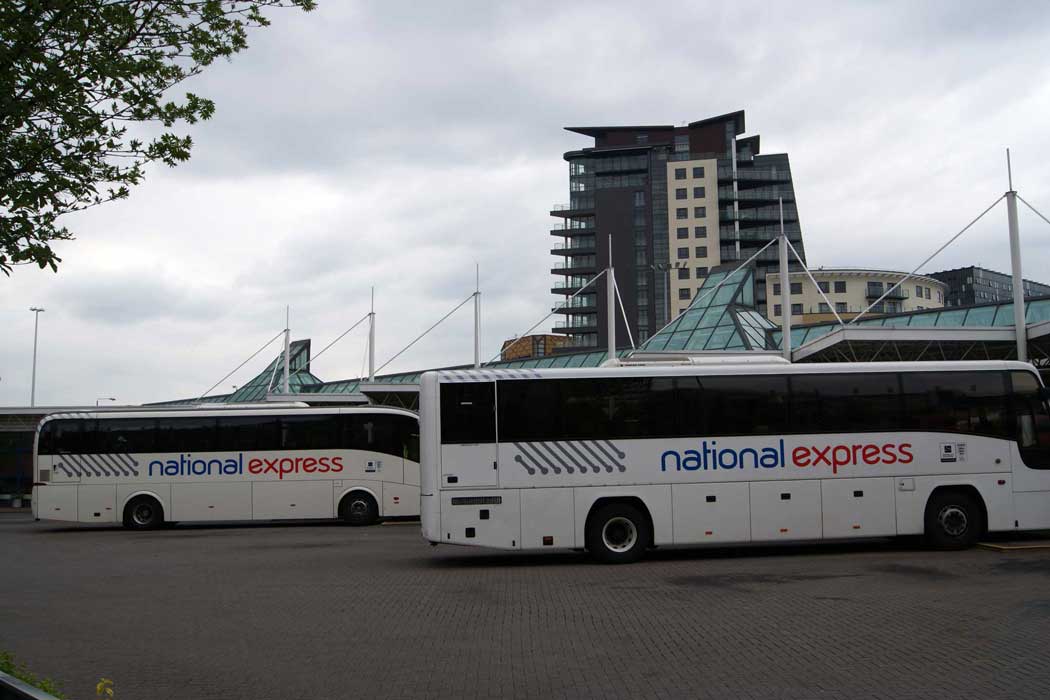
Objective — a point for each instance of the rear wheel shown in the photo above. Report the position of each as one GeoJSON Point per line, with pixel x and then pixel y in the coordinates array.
{"type": "Point", "coordinates": [954, 520]}
{"type": "Point", "coordinates": [618, 534]}
{"type": "Point", "coordinates": [143, 513]}
{"type": "Point", "coordinates": [359, 508]}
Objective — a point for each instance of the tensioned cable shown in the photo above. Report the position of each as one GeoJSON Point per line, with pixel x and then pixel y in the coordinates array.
{"type": "Point", "coordinates": [240, 365]}
{"type": "Point", "coordinates": [718, 286]}
{"type": "Point", "coordinates": [341, 335]}
{"type": "Point", "coordinates": [923, 263]}
{"type": "Point", "coordinates": [1032, 208]}
{"type": "Point", "coordinates": [564, 305]}
{"type": "Point", "coordinates": [820, 291]}
{"type": "Point", "coordinates": [458, 306]}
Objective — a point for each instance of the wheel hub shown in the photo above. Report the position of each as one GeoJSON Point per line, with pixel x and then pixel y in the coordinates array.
{"type": "Point", "coordinates": [953, 520]}
{"type": "Point", "coordinates": [619, 534]}
{"type": "Point", "coordinates": [143, 514]}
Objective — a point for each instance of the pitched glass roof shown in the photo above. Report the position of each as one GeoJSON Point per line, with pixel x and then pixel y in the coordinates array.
{"type": "Point", "coordinates": [995, 315]}
{"type": "Point", "coordinates": [721, 317]}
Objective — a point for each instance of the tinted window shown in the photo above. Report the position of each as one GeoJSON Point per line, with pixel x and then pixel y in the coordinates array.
{"type": "Point", "coordinates": [378, 432]}
{"type": "Point", "coordinates": [755, 405]}
{"type": "Point", "coordinates": [66, 436]}
{"type": "Point", "coordinates": [839, 403]}
{"type": "Point", "coordinates": [1031, 421]}
{"type": "Point", "coordinates": [965, 402]}
{"type": "Point", "coordinates": [190, 434]}
{"type": "Point", "coordinates": [244, 433]}
{"type": "Point", "coordinates": [468, 413]}
{"type": "Point", "coordinates": [310, 432]}
{"type": "Point", "coordinates": [126, 435]}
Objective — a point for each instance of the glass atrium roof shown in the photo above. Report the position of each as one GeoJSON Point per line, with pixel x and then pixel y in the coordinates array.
{"type": "Point", "coordinates": [721, 317]}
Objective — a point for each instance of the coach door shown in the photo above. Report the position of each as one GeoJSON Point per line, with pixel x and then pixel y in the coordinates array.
{"type": "Point", "coordinates": [468, 434]}
{"type": "Point", "coordinates": [1031, 463]}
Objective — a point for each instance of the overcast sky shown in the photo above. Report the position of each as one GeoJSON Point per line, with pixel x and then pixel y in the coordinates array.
{"type": "Point", "coordinates": [396, 144]}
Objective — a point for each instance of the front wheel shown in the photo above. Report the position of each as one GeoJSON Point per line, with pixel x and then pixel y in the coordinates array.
{"type": "Point", "coordinates": [954, 520]}
{"type": "Point", "coordinates": [618, 534]}
{"type": "Point", "coordinates": [143, 513]}
{"type": "Point", "coordinates": [359, 508]}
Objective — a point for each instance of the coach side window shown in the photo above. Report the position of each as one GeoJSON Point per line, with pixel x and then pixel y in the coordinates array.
{"type": "Point", "coordinates": [468, 413]}
{"type": "Point", "coordinates": [191, 434]}
{"type": "Point", "coordinates": [844, 403]}
{"type": "Point", "coordinates": [958, 402]}
{"type": "Point", "coordinates": [65, 437]}
{"type": "Point", "coordinates": [754, 405]}
{"type": "Point", "coordinates": [126, 435]}
{"type": "Point", "coordinates": [245, 433]}
{"type": "Point", "coordinates": [310, 432]}
{"type": "Point", "coordinates": [1031, 420]}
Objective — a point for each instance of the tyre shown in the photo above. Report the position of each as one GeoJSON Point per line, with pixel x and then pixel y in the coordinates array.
{"type": "Point", "coordinates": [143, 513]}
{"type": "Point", "coordinates": [954, 520]}
{"type": "Point", "coordinates": [618, 534]}
{"type": "Point", "coordinates": [359, 508]}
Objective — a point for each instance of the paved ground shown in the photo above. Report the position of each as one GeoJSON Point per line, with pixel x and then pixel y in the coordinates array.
{"type": "Point", "coordinates": [326, 611]}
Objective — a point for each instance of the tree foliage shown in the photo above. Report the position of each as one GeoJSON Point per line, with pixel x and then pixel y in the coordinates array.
{"type": "Point", "coordinates": [74, 75]}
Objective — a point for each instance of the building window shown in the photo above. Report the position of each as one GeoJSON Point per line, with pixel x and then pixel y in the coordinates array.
{"type": "Point", "coordinates": [841, 307]}
{"type": "Point", "coordinates": [840, 287]}
{"type": "Point", "coordinates": [698, 171]}
{"type": "Point", "coordinates": [918, 291]}
{"type": "Point", "coordinates": [776, 290]}
{"type": "Point", "coordinates": [824, 287]}
{"type": "Point", "coordinates": [681, 143]}
{"type": "Point", "coordinates": [940, 297]}
{"type": "Point", "coordinates": [796, 309]}
{"type": "Point", "coordinates": [679, 174]}
{"type": "Point", "coordinates": [681, 193]}
{"type": "Point", "coordinates": [927, 292]}
{"type": "Point", "coordinates": [776, 309]}
{"type": "Point", "coordinates": [699, 192]}
{"type": "Point", "coordinates": [683, 294]}
{"type": "Point", "coordinates": [701, 251]}
{"type": "Point", "coordinates": [683, 232]}
{"type": "Point", "coordinates": [824, 308]}
{"type": "Point", "coordinates": [683, 273]}
{"type": "Point", "coordinates": [796, 288]}
{"type": "Point", "coordinates": [700, 231]}
{"type": "Point", "coordinates": [641, 139]}
{"type": "Point", "coordinates": [683, 253]}
{"type": "Point", "coordinates": [701, 272]}
{"type": "Point", "coordinates": [699, 212]}
{"type": "Point", "coordinates": [639, 199]}
{"type": "Point", "coordinates": [681, 213]}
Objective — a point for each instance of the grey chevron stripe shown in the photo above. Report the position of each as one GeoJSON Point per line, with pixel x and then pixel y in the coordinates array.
{"type": "Point", "coordinates": [70, 465]}
{"type": "Point", "coordinates": [523, 456]}
{"type": "Point", "coordinates": [115, 464]}
{"type": "Point", "coordinates": [563, 450]}
{"type": "Point", "coordinates": [540, 458]}
{"type": "Point", "coordinates": [590, 450]}
{"type": "Point", "coordinates": [616, 450]}
{"type": "Point", "coordinates": [132, 463]}
{"type": "Point", "coordinates": [594, 467]}
{"type": "Point", "coordinates": [537, 459]}
{"type": "Point", "coordinates": [63, 467]}
{"type": "Point", "coordinates": [108, 465]}
{"type": "Point", "coordinates": [558, 459]}
{"type": "Point", "coordinates": [85, 467]}
{"type": "Point", "coordinates": [612, 459]}
{"type": "Point", "coordinates": [97, 463]}
{"type": "Point", "coordinates": [555, 467]}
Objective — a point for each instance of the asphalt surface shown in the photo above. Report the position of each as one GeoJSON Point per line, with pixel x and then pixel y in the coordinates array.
{"type": "Point", "coordinates": [327, 611]}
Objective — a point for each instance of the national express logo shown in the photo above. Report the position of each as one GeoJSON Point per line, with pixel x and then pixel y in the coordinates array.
{"type": "Point", "coordinates": [834, 457]}
{"type": "Point", "coordinates": [186, 465]}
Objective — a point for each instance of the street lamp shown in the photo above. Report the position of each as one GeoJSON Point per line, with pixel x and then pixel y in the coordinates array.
{"type": "Point", "coordinates": [36, 325]}
{"type": "Point", "coordinates": [104, 398]}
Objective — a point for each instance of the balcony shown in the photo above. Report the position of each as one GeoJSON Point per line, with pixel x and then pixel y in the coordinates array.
{"type": "Point", "coordinates": [570, 325]}
{"type": "Point", "coordinates": [758, 214]}
{"type": "Point", "coordinates": [758, 194]}
{"type": "Point", "coordinates": [754, 175]}
{"type": "Point", "coordinates": [874, 292]}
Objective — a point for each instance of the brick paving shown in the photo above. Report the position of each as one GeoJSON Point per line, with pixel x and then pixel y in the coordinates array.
{"type": "Point", "coordinates": [326, 611]}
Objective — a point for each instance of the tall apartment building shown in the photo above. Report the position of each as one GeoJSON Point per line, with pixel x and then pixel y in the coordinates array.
{"type": "Point", "coordinates": [675, 202]}
{"type": "Point", "coordinates": [976, 285]}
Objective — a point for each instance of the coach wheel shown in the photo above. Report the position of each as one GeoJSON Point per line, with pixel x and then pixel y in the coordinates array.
{"type": "Point", "coordinates": [143, 513]}
{"type": "Point", "coordinates": [954, 520]}
{"type": "Point", "coordinates": [359, 508]}
{"type": "Point", "coordinates": [618, 534]}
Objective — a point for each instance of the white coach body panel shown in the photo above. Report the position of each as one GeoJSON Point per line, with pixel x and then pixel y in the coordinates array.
{"type": "Point", "coordinates": [858, 508]}
{"type": "Point", "coordinates": [712, 512]}
{"type": "Point", "coordinates": [291, 499]}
